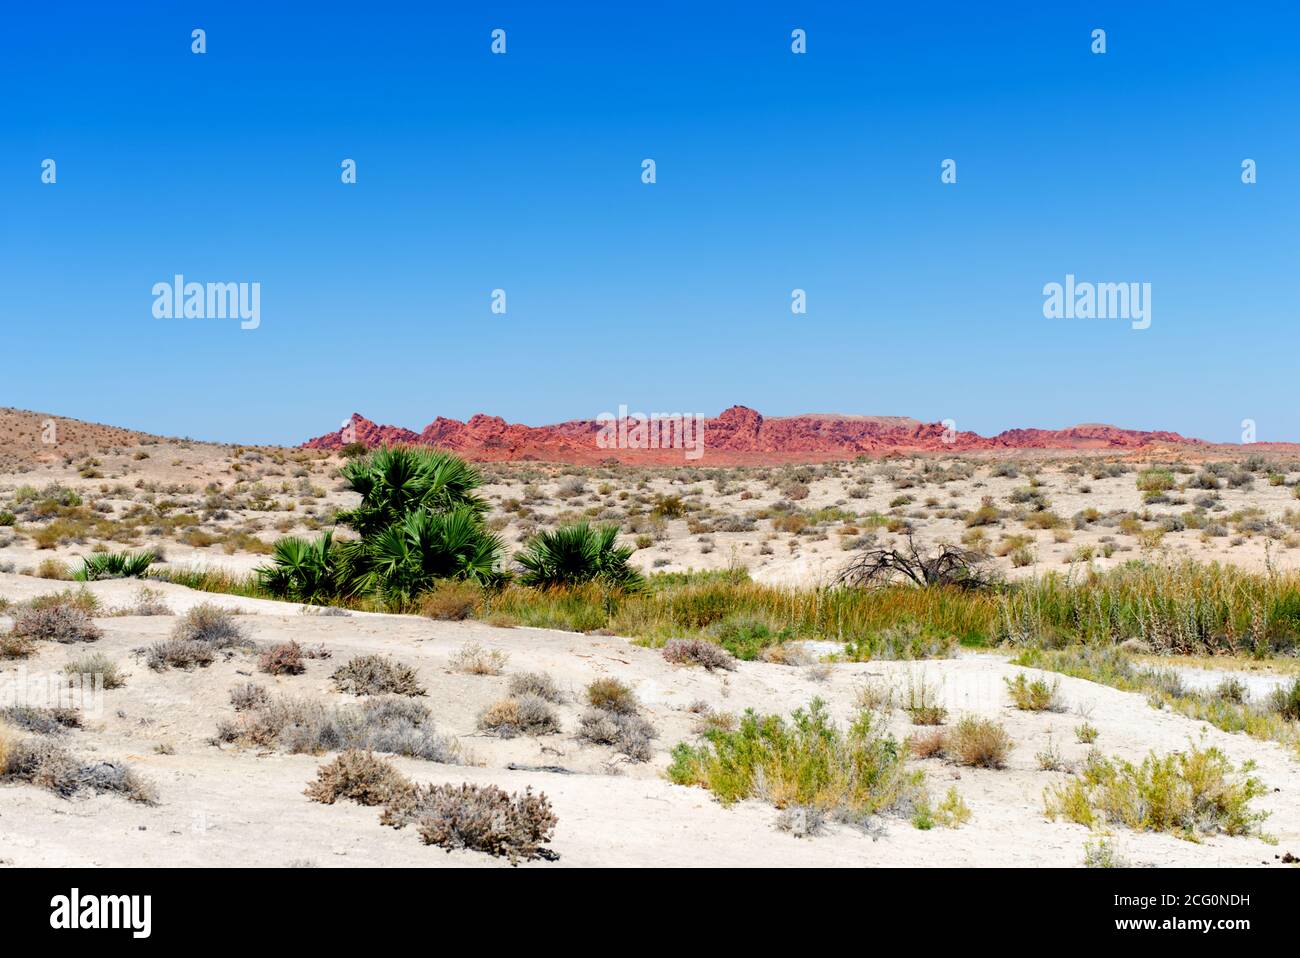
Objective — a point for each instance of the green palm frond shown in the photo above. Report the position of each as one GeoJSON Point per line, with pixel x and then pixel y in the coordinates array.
{"type": "Point", "coordinates": [574, 554]}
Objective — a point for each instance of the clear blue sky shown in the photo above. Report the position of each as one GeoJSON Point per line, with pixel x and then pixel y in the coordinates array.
{"type": "Point", "coordinates": [775, 171]}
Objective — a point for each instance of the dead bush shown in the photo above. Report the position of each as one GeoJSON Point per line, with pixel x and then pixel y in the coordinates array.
{"type": "Point", "coordinates": [58, 622]}
{"type": "Point", "coordinates": [377, 675]}
{"type": "Point", "coordinates": [451, 601]}
{"type": "Point", "coordinates": [179, 654]}
{"type": "Point", "coordinates": [247, 696]}
{"type": "Point", "coordinates": [479, 817]}
{"type": "Point", "coordinates": [42, 763]}
{"type": "Point", "coordinates": [399, 726]}
{"type": "Point", "coordinates": [627, 732]}
{"type": "Point", "coordinates": [947, 566]}
{"type": "Point", "coordinates": [283, 659]}
{"type": "Point", "coordinates": [358, 776]}
{"type": "Point", "coordinates": [212, 625]}
{"type": "Point", "coordinates": [44, 721]}
{"type": "Point", "coordinates": [475, 660]}
{"type": "Point", "coordinates": [698, 652]}
{"type": "Point", "coordinates": [930, 744]}
{"type": "Point", "coordinates": [523, 715]}
{"type": "Point", "coordinates": [536, 683]}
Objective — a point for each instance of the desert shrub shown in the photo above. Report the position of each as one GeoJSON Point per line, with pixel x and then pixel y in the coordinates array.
{"type": "Point", "coordinates": [283, 659]}
{"type": "Point", "coordinates": [807, 761]}
{"type": "Point", "coordinates": [387, 724]}
{"type": "Point", "coordinates": [53, 569]}
{"type": "Point", "coordinates": [611, 695]}
{"type": "Point", "coordinates": [377, 675]}
{"type": "Point", "coordinates": [479, 817]}
{"type": "Point", "coordinates": [1050, 758]}
{"type": "Point", "coordinates": [698, 652]}
{"type": "Point", "coordinates": [210, 625]}
{"type": "Point", "coordinates": [1036, 696]}
{"type": "Point", "coordinates": [451, 600]}
{"type": "Point", "coordinates": [979, 743]}
{"type": "Point", "coordinates": [536, 683]}
{"type": "Point", "coordinates": [1285, 701]}
{"type": "Point", "coordinates": [1155, 480]}
{"type": "Point", "coordinates": [476, 660]}
{"type": "Point", "coordinates": [792, 654]}
{"type": "Point", "coordinates": [575, 554]}
{"type": "Point", "coordinates": [746, 638]}
{"type": "Point", "coordinates": [929, 744]}
{"type": "Point", "coordinates": [115, 565]}
{"type": "Point", "coordinates": [922, 702]}
{"type": "Point", "coordinates": [521, 715]}
{"type": "Point", "coordinates": [1086, 733]}
{"type": "Point", "coordinates": [179, 654]}
{"type": "Point", "coordinates": [57, 622]}
{"type": "Point", "coordinates": [42, 720]}
{"type": "Point", "coordinates": [249, 695]}
{"type": "Point", "coordinates": [361, 777]}
{"type": "Point", "coordinates": [906, 640]}
{"type": "Point", "coordinates": [952, 812]}
{"type": "Point", "coordinates": [1184, 793]}
{"type": "Point", "coordinates": [627, 732]}
{"type": "Point", "coordinates": [95, 667]}
{"type": "Point", "coordinates": [47, 765]}
{"type": "Point", "coordinates": [1102, 854]}
{"type": "Point", "coordinates": [146, 601]}
{"type": "Point", "coordinates": [15, 646]}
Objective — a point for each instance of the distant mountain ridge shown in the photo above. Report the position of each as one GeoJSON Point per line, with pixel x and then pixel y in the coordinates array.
{"type": "Point", "coordinates": [739, 435]}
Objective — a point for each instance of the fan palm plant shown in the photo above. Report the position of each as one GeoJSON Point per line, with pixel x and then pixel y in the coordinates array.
{"type": "Point", "coordinates": [572, 555]}
{"type": "Point", "coordinates": [410, 555]}
{"type": "Point", "coordinates": [395, 481]}
{"type": "Point", "coordinates": [115, 565]}
{"type": "Point", "coordinates": [302, 570]}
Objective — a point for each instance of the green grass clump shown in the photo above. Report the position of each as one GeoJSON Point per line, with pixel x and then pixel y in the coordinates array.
{"type": "Point", "coordinates": [807, 761]}
{"type": "Point", "coordinates": [1188, 794]}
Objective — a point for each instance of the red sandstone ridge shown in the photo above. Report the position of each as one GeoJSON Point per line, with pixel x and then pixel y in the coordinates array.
{"type": "Point", "coordinates": [740, 436]}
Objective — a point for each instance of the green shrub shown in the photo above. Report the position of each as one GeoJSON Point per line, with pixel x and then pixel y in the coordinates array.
{"type": "Point", "coordinates": [1185, 793]}
{"type": "Point", "coordinates": [806, 761]}
{"type": "Point", "coordinates": [1035, 696]}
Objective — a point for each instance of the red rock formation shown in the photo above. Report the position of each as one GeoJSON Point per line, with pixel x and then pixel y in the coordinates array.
{"type": "Point", "coordinates": [739, 436]}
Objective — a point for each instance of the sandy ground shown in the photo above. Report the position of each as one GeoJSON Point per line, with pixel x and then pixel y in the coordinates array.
{"type": "Point", "coordinates": [205, 505]}
{"type": "Point", "coordinates": [227, 806]}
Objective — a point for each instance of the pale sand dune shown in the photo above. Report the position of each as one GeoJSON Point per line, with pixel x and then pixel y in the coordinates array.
{"type": "Point", "coordinates": [224, 806]}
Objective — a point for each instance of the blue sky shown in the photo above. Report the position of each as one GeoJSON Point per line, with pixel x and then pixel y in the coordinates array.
{"type": "Point", "coordinates": [775, 172]}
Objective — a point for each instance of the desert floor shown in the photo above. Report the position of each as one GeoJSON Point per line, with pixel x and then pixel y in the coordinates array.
{"type": "Point", "coordinates": [205, 505]}
{"type": "Point", "coordinates": [232, 806]}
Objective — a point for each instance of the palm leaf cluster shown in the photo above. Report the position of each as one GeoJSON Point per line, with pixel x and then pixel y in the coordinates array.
{"type": "Point", "coordinates": [115, 565]}
{"type": "Point", "coordinates": [420, 521]}
{"type": "Point", "coordinates": [572, 555]}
